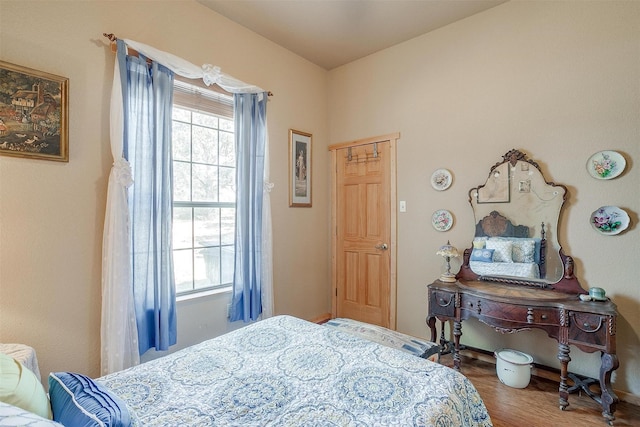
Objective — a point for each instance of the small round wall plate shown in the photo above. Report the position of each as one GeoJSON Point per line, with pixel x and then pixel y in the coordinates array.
{"type": "Point", "coordinates": [441, 179]}
{"type": "Point", "coordinates": [609, 220]}
{"type": "Point", "coordinates": [442, 220]}
{"type": "Point", "coordinates": [606, 164]}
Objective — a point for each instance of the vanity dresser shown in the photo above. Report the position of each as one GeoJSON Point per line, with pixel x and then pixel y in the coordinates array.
{"type": "Point", "coordinates": [515, 277]}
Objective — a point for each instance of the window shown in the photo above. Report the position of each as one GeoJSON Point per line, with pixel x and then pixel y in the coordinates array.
{"type": "Point", "coordinates": [204, 189]}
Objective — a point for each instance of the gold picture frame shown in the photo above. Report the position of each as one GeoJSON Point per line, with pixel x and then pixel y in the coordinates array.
{"type": "Point", "coordinates": [300, 152]}
{"type": "Point", "coordinates": [34, 114]}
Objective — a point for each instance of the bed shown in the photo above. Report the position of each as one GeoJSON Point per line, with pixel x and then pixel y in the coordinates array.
{"type": "Point", "coordinates": [284, 371]}
{"type": "Point", "coordinates": [281, 371]}
{"type": "Point", "coordinates": [501, 248]}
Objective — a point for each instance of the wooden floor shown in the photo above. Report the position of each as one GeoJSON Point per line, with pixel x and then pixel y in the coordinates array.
{"type": "Point", "coordinates": [537, 404]}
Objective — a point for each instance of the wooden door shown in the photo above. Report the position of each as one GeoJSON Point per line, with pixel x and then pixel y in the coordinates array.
{"type": "Point", "coordinates": [364, 220]}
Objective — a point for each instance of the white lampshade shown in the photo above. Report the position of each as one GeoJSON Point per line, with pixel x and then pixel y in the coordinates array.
{"type": "Point", "coordinates": [448, 251]}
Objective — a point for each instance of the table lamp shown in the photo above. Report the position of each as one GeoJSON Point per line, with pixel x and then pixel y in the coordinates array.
{"type": "Point", "coordinates": [447, 251]}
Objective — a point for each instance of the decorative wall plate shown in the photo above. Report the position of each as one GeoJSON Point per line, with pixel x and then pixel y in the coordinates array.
{"type": "Point", "coordinates": [609, 220]}
{"type": "Point", "coordinates": [441, 179]}
{"type": "Point", "coordinates": [442, 220]}
{"type": "Point", "coordinates": [606, 164]}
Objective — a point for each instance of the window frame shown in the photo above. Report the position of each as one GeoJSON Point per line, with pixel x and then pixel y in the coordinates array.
{"type": "Point", "coordinates": [199, 99]}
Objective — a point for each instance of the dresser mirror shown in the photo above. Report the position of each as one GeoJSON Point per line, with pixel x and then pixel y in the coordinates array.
{"type": "Point", "coordinates": [516, 213]}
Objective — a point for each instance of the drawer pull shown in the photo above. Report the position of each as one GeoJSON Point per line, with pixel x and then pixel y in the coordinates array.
{"type": "Point", "coordinates": [590, 324]}
{"type": "Point", "coordinates": [543, 317]}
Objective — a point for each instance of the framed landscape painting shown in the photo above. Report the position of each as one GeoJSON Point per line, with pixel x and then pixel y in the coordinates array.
{"type": "Point", "coordinates": [33, 114]}
{"type": "Point", "coordinates": [299, 168]}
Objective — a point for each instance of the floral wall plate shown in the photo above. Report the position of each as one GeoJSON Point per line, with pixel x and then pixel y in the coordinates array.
{"type": "Point", "coordinates": [442, 220]}
{"type": "Point", "coordinates": [609, 220]}
{"type": "Point", "coordinates": [441, 179]}
{"type": "Point", "coordinates": [606, 164]}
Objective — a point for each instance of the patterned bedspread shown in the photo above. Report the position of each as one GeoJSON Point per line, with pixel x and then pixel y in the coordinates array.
{"type": "Point", "coordinates": [284, 371]}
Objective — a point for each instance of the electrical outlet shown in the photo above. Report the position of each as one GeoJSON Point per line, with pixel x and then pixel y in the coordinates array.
{"type": "Point", "coordinates": [403, 206]}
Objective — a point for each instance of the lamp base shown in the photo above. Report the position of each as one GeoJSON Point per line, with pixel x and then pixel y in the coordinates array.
{"type": "Point", "coordinates": [447, 277]}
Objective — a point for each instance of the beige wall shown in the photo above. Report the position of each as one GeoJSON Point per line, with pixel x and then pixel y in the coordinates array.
{"type": "Point", "coordinates": [557, 80]}
{"type": "Point", "coordinates": [51, 214]}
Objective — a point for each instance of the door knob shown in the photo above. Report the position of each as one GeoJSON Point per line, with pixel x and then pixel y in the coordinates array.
{"type": "Point", "coordinates": [382, 246]}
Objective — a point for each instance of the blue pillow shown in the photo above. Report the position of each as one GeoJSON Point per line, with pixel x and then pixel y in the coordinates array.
{"type": "Point", "coordinates": [79, 401]}
{"type": "Point", "coordinates": [482, 255]}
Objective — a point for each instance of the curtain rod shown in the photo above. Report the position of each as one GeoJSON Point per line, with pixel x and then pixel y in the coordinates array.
{"type": "Point", "coordinates": [113, 39]}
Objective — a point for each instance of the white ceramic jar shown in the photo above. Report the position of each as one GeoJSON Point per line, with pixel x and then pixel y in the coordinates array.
{"type": "Point", "coordinates": [513, 367]}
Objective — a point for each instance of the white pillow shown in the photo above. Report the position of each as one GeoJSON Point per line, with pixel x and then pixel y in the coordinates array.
{"type": "Point", "coordinates": [502, 250]}
{"type": "Point", "coordinates": [13, 416]}
{"type": "Point", "coordinates": [523, 250]}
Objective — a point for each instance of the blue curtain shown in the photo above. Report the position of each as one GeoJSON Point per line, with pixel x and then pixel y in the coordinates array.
{"type": "Point", "coordinates": [148, 97]}
{"type": "Point", "coordinates": [250, 126]}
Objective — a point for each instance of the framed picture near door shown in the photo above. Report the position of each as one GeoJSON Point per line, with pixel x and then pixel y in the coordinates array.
{"type": "Point", "coordinates": [299, 168]}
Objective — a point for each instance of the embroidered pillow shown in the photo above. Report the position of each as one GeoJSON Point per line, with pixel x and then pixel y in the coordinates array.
{"type": "Point", "coordinates": [523, 250]}
{"type": "Point", "coordinates": [502, 250]}
{"type": "Point", "coordinates": [482, 255]}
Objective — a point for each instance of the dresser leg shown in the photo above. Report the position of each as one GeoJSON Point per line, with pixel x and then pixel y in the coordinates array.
{"type": "Point", "coordinates": [563, 356]}
{"type": "Point", "coordinates": [457, 333]}
{"type": "Point", "coordinates": [608, 399]}
{"type": "Point", "coordinates": [431, 323]}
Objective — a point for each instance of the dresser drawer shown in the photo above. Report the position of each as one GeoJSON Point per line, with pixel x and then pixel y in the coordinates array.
{"type": "Point", "coordinates": [442, 303]}
{"type": "Point", "coordinates": [509, 312]}
{"type": "Point", "coordinates": [589, 328]}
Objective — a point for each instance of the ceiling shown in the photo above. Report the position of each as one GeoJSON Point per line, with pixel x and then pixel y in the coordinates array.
{"type": "Point", "coordinates": [331, 33]}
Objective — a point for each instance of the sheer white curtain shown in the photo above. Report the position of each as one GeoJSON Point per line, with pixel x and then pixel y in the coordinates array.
{"type": "Point", "coordinates": [119, 333]}
{"type": "Point", "coordinates": [267, 238]}
{"type": "Point", "coordinates": [119, 341]}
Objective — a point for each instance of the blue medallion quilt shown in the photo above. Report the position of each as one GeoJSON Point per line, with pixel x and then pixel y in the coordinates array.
{"type": "Point", "coordinates": [285, 371]}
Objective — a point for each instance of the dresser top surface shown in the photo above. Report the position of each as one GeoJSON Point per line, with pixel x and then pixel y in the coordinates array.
{"type": "Point", "coordinates": [516, 294]}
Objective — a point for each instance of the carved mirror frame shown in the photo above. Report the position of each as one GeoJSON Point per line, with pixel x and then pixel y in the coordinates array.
{"type": "Point", "coordinates": [568, 282]}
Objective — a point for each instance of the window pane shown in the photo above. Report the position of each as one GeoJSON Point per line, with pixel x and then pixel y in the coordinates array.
{"type": "Point", "coordinates": [207, 267]}
{"type": "Point", "coordinates": [227, 264]}
{"type": "Point", "coordinates": [182, 231]}
{"type": "Point", "coordinates": [204, 161]}
{"type": "Point", "coordinates": [181, 141]}
{"type": "Point", "coordinates": [206, 226]}
{"type": "Point", "coordinates": [227, 226]}
{"type": "Point", "coordinates": [205, 183]}
{"type": "Point", "coordinates": [183, 270]}
{"type": "Point", "coordinates": [181, 181]}
{"type": "Point", "coordinates": [205, 145]}
{"type": "Point", "coordinates": [226, 125]}
{"type": "Point", "coordinates": [205, 120]}
{"type": "Point", "coordinates": [181, 114]}
{"type": "Point", "coordinates": [227, 149]}
{"type": "Point", "coordinates": [227, 185]}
